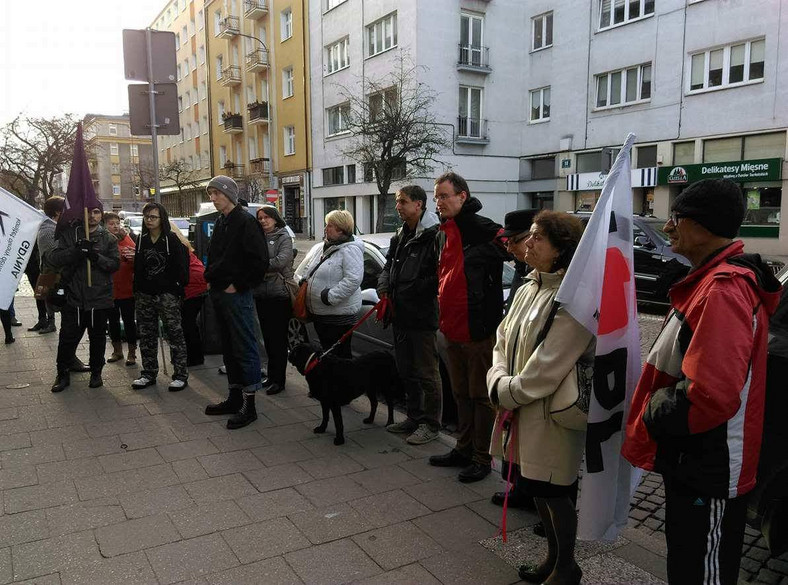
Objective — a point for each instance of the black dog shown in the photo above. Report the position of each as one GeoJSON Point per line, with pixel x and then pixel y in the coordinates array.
{"type": "Point", "coordinates": [336, 381]}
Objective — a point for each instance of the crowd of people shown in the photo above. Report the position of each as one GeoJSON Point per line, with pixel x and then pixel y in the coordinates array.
{"type": "Point", "coordinates": [695, 419]}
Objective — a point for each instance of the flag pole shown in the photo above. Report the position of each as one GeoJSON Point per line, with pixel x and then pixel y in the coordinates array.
{"type": "Point", "coordinates": [87, 237]}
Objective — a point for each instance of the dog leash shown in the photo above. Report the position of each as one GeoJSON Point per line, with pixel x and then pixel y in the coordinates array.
{"type": "Point", "coordinates": [509, 420]}
{"type": "Point", "coordinates": [311, 365]}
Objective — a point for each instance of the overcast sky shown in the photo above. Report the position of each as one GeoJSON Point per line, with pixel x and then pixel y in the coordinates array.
{"type": "Point", "coordinates": [58, 57]}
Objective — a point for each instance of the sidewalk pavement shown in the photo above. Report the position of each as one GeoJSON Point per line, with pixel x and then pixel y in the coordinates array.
{"type": "Point", "coordinates": [140, 487]}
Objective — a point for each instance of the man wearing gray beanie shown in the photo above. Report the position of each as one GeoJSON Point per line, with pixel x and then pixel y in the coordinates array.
{"type": "Point", "coordinates": [237, 261]}
{"type": "Point", "coordinates": [696, 415]}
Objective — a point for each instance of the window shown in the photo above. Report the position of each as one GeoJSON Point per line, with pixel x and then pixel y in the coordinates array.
{"type": "Point", "coordinates": [180, 103]}
{"type": "Point", "coordinates": [177, 71]}
{"type": "Point", "coordinates": [194, 62]}
{"type": "Point", "coordinates": [589, 162]}
{"type": "Point", "coordinates": [115, 189]}
{"type": "Point", "coordinates": [351, 173]}
{"type": "Point", "coordinates": [220, 111]}
{"type": "Point", "coordinates": [471, 28]}
{"type": "Point", "coordinates": [289, 132]}
{"type": "Point", "coordinates": [113, 148]}
{"type": "Point", "coordinates": [333, 176]}
{"type": "Point", "coordinates": [222, 156]}
{"type": "Point", "coordinates": [543, 168]}
{"type": "Point", "coordinates": [219, 67]}
{"type": "Point", "coordinates": [177, 42]}
{"type": "Point", "coordinates": [540, 105]}
{"type": "Point", "coordinates": [115, 168]}
{"type": "Point", "coordinates": [191, 28]}
{"type": "Point", "coordinates": [470, 123]}
{"type": "Point", "coordinates": [684, 153]}
{"type": "Point", "coordinates": [113, 129]}
{"type": "Point", "coordinates": [337, 56]}
{"type": "Point", "coordinates": [647, 156]}
{"type": "Point", "coordinates": [615, 12]}
{"type": "Point", "coordinates": [623, 87]}
{"type": "Point", "coordinates": [200, 19]}
{"type": "Point", "coordinates": [333, 4]}
{"type": "Point", "coordinates": [187, 103]}
{"type": "Point", "coordinates": [188, 132]}
{"type": "Point", "coordinates": [338, 119]}
{"type": "Point", "coordinates": [217, 22]}
{"type": "Point", "coordinates": [382, 104]}
{"type": "Point", "coordinates": [135, 150]}
{"type": "Point", "coordinates": [542, 31]}
{"type": "Point", "coordinates": [764, 146]}
{"type": "Point", "coordinates": [201, 52]}
{"type": "Point", "coordinates": [726, 66]}
{"type": "Point", "coordinates": [287, 82]}
{"type": "Point", "coordinates": [286, 24]}
{"type": "Point", "coordinates": [382, 35]}
{"type": "Point", "coordinates": [204, 125]}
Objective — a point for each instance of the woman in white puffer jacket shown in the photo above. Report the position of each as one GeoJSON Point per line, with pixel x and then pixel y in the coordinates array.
{"type": "Point", "coordinates": [334, 288]}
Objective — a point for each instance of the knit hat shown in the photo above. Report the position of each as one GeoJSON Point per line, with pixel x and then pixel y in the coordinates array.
{"type": "Point", "coordinates": [716, 204]}
{"type": "Point", "coordinates": [226, 185]}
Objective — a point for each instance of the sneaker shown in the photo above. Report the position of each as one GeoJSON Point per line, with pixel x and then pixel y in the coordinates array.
{"type": "Point", "coordinates": [15, 322]}
{"type": "Point", "coordinates": [223, 370]}
{"type": "Point", "coordinates": [143, 382]}
{"type": "Point", "coordinates": [177, 385]}
{"type": "Point", "coordinates": [422, 435]}
{"type": "Point", "coordinates": [406, 426]}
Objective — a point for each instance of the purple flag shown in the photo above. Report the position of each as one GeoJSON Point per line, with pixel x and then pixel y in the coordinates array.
{"type": "Point", "coordinates": [80, 193]}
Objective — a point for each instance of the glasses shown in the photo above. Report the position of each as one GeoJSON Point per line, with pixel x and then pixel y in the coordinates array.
{"type": "Point", "coordinates": [674, 217]}
{"type": "Point", "coordinates": [518, 238]}
{"type": "Point", "coordinates": [443, 197]}
{"type": "Point", "coordinates": [151, 217]}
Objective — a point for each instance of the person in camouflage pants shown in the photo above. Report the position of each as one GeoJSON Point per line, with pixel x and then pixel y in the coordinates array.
{"type": "Point", "coordinates": [149, 309]}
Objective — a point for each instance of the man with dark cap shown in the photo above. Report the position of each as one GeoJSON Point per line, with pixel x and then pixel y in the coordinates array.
{"type": "Point", "coordinates": [697, 412]}
{"type": "Point", "coordinates": [237, 261]}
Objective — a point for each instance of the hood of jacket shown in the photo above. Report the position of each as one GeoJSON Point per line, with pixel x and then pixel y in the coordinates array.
{"type": "Point", "coordinates": [164, 222]}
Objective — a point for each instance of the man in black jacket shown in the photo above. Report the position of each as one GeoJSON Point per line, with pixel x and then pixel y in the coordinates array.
{"type": "Point", "coordinates": [410, 280]}
{"type": "Point", "coordinates": [86, 306]}
{"type": "Point", "coordinates": [237, 261]}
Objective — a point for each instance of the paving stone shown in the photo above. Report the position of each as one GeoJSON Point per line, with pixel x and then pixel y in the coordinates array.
{"type": "Point", "coordinates": [191, 558]}
{"type": "Point", "coordinates": [288, 433]}
{"type": "Point", "coordinates": [132, 569]}
{"type": "Point", "coordinates": [603, 568]}
{"type": "Point", "coordinates": [331, 523]}
{"type": "Point", "coordinates": [17, 441]}
{"type": "Point", "coordinates": [239, 441]}
{"type": "Point", "coordinates": [653, 523]}
{"type": "Point", "coordinates": [51, 555]}
{"type": "Point", "coordinates": [157, 501]}
{"type": "Point", "coordinates": [639, 515]}
{"type": "Point", "coordinates": [323, 467]}
{"type": "Point", "coordinates": [35, 497]}
{"type": "Point", "coordinates": [398, 545]}
{"type": "Point", "coordinates": [227, 463]}
{"type": "Point", "coordinates": [189, 470]}
{"type": "Point", "coordinates": [426, 472]}
{"type": "Point", "coordinates": [758, 554]}
{"type": "Point", "coordinates": [22, 527]}
{"type": "Point", "coordinates": [274, 455]}
{"type": "Point", "coordinates": [121, 413]}
{"type": "Point", "coordinates": [389, 508]}
{"type": "Point", "coordinates": [147, 438]}
{"type": "Point", "coordinates": [130, 460]}
{"type": "Point", "coordinates": [768, 576]}
{"type": "Point", "coordinates": [273, 571]}
{"type": "Point", "coordinates": [413, 574]}
{"type": "Point", "coordinates": [470, 567]}
{"type": "Point", "coordinates": [332, 564]}
{"type": "Point", "coordinates": [456, 528]}
{"type": "Point", "coordinates": [20, 476]}
{"type": "Point", "coordinates": [92, 447]}
{"type": "Point", "coordinates": [263, 540]}
{"type": "Point", "coordinates": [83, 516]}
{"type": "Point", "coordinates": [225, 487]}
{"type": "Point", "coordinates": [384, 479]}
{"type": "Point", "coordinates": [278, 477]}
{"type": "Point", "coordinates": [31, 456]}
{"type": "Point", "coordinates": [134, 535]}
{"type": "Point", "coordinates": [326, 492]}
{"type": "Point", "coordinates": [192, 432]}
{"type": "Point", "coordinates": [69, 469]}
{"type": "Point", "coordinates": [125, 482]}
{"type": "Point", "coordinates": [208, 518]}
{"type": "Point", "coordinates": [53, 579]}
{"type": "Point", "coordinates": [104, 429]}
{"type": "Point", "coordinates": [187, 449]}
{"type": "Point", "coordinates": [778, 566]}
{"type": "Point", "coordinates": [274, 504]}
{"type": "Point", "coordinates": [371, 458]}
{"type": "Point", "coordinates": [6, 567]}
{"type": "Point", "coordinates": [442, 494]}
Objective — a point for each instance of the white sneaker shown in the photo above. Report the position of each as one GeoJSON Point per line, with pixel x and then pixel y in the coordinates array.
{"type": "Point", "coordinates": [223, 369]}
{"type": "Point", "coordinates": [422, 435]}
{"type": "Point", "coordinates": [177, 385]}
{"type": "Point", "coordinates": [143, 382]}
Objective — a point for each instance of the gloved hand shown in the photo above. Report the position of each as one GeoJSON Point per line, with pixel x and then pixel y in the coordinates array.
{"type": "Point", "coordinates": [385, 311]}
{"type": "Point", "coordinates": [87, 249]}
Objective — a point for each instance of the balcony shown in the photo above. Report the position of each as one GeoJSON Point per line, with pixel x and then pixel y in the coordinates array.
{"type": "Point", "coordinates": [233, 170]}
{"type": "Point", "coordinates": [258, 113]}
{"type": "Point", "coordinates": [255, 8]}
{"type": "Point", "coordinates": [230, 76]}
{"type": "Point", "coordinates": [474, 58]}
{"type": "Point", "coordinates": [229, 27]}
{"type": "Point", "coordinates": [257, 60]}
{"type": "Point", "coordinates": [471, 131]}
{"type": "Point", "coordinates": [260, 166]}
{"type": "Point", "coordinates": [233, 123]}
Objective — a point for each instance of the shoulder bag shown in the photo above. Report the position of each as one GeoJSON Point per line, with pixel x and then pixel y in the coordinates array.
{"type": "Point", "coordinates": [570, 402]}
{"type": "Point", "coordinates": [300, 311]}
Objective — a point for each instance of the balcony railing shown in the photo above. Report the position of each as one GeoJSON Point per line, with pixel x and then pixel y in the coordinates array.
{"type": "Point", "coordinates": [471, 130]}
{"type": "Point", "coordinates": [258, 113]}
{"type": "Point", "coordinates": [260, 166]}
{"type": "Point", "coordinates": [229, 27]}
{"type": "Point", "coordinates": [230, 75]}
{"type": "Point", "coordinates": [234, 124]}
{"type": "Point", "coordinates": [474, 58]}
{"type": "Point", "coordinates": [255, 8]}
{"type": "Point", "coordinates": [257, 60]}
{"type": "Point", "coordinates": [235, 171]}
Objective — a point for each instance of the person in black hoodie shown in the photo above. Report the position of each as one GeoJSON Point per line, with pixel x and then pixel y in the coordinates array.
{"type": "Point", "coordinates": [161, 271]}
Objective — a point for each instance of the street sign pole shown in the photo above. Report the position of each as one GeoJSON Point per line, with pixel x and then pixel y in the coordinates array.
{"type": "Point", "coordinates": [153, 125]}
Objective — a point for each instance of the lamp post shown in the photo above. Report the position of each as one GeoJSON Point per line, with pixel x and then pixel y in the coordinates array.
{"type": "Point", "coordinates": [267, 101]}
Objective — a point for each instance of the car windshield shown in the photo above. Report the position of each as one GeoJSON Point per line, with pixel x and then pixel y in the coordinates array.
{"type": "Point", "coordinates": [135, 223]}
{"type": "Point", "coordinates": [657, 227]}
{"type": "Point", "coordinates": [182, 223]}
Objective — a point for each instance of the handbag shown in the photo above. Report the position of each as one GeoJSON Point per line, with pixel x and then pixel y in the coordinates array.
{"type": "Point", "coordinates": [300, 311]}
{"type": "Point", "coordinates": [45, 282]}
{"type": "Point", "coordinates": [292, 288]}
{"type": "Point", "coordinates": [570, 402]}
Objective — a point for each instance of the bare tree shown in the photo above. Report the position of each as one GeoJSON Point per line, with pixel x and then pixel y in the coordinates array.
{"type": "Point", "coordinates": [33, 152]}
{"type": "Point", "coordinates": [393, 131]}
{"type": "Point", "coordinates": [180, 174]}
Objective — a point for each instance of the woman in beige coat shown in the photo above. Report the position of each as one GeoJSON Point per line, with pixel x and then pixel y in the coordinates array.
{"type": "Point", "coordinates": [523, 379]}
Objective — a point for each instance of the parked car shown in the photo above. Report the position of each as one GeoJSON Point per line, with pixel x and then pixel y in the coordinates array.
{"type": "Point", "coordinates": [183, 224]}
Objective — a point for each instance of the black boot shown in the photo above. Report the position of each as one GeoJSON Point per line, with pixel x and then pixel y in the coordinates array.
{"type": "Point", "coordinates": [62, 381]}
{"type": "Point", "coordinates": [230, 406]}
{"type": "Point", "coordinates": [95, 380]}
{"type": "Point", "coordinates": [245, 416]}
{"type": "Point", "coordinates": [38, 326]}
{"type": "Point", "coordinates": [79, 366]}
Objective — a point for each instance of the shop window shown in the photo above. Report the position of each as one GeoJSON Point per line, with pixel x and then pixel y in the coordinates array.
{"type": "Point", "coordinates": [543, 168]}
{"type": "Point", "coordinates": [332, 203]}
{"type": "Point", "coordinates": [589, 162]}
{"type": "Point", "coordinates": [763, 205]}
{"type": "Point", "coordinates": [647, 156]}
{"type": "Point", "coordinates": [542, 200]}
{"type": "Point", "coordinates": [764, 146]}
{"type": "Point", "coordinates": [684, 153]}
{"type": "Point", "coordinates": [722, 149]}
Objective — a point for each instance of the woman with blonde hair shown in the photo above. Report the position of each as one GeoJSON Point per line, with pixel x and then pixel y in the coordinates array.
{"type": "Point", "coordinates": [334, 270]}
{"type": "Point", "coordinates": [193, 299]}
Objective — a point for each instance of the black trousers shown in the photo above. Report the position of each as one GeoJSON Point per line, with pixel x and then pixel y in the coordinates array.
{"type": "Point", "coordinates": [330, 333]}
{"type": "Point", "coordinates": [274, 316]}
{"type": "Point", "coordinates": [124, 309]}
{"type": "Point", "coordinates": [190, 310]}
{"type": "Point", "coordinates": [41, 306]}
{"type": "Point", "coordinates": [5, 318]}
{"type": "Point", "coordinates": [704, 536]}
{"type": "Point", "coordinates": [73, 323]}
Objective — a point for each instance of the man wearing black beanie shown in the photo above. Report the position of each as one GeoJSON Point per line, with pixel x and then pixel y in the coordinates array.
{"type": "Point", "coordinates": [697, 412]}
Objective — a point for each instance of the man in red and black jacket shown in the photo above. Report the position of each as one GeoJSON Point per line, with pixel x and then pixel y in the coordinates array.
{"type": "Point", "coordinates": [697, 412]}
{"type": "Point", "coordinates": [470, 300]}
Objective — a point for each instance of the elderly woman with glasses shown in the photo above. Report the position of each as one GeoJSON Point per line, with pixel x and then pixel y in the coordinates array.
{"type": "Point", "coordinates": [524, 376]}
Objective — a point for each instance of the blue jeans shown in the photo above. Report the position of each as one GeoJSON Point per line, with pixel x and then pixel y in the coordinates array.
{"type": "Point", "coordinates": [235, 318]}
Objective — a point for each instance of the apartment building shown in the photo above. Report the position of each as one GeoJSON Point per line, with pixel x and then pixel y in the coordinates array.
{"type": "Point", "coordinates": [121, 165]}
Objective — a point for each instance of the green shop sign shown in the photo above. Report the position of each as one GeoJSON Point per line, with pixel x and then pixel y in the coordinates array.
{"type": "Point", "coordinates": [765, 169]}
